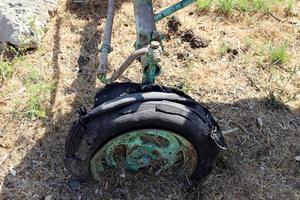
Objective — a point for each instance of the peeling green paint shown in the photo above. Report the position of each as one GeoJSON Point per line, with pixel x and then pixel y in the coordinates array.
{"type": "Point", "coordinates": [172, 9]}
{"type": "Point", "coordinates": [142, 148]}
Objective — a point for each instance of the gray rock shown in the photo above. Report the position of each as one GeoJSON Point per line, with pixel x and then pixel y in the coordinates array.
{"type": "Point", "coordinates": [23, 22]}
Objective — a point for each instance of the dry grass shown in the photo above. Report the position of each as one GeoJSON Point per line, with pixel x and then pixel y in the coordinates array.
{"type": "Point", "coordinates": [235, 77]}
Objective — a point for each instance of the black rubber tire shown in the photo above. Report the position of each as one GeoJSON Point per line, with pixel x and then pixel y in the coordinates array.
{"type": "Point", "coordinates": [192, 121]}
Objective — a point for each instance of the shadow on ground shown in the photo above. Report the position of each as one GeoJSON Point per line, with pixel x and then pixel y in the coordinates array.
{"type": "Point", "coordinates": [260, 161]}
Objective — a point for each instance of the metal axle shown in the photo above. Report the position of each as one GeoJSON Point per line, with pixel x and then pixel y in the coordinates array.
{"type": "Point", "coordinates": [145, 20]}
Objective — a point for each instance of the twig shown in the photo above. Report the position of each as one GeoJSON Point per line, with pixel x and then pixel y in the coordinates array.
{"type": "Point", "coordinates": [240, 127]}
{"type": "Point", "coordinates": [229, 131]}
{"type": "Point", "coordinates": [275, 17]}
{"type": "Point", "coordinates": [282, 20]}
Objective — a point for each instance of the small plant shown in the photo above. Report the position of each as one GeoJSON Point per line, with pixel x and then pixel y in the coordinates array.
{"type": "Point", "coordinates": [35, 37]}
{"type": "Point", "coordinates": [224, 48]}
{"type": "Point", "coordinates": [37, 31]}
{"type": "Point", "coordinates": [290, 6]}
{"type": "Point", "coordinates": [226, 6]}
{"type": "Point", "coordinates": [34, 106]}
{"type": "Point", "coordinates": [184, 85]}
{"type": "Point", "coordinates": [261, 5]}
{"type": "Point", "coordinates": [32, 77]}
{"type": "Point", "coordinates": [9, 63]}
{"type": "Point", "coordinates": [204, 4]}
{"type": "Point", "coordinates": [278, 54]}
{"type": "Point", "coordinates": [37, 89]}
{"type": "Point", "coordinates": [244, 5]}
{"type": "Point", "coordinates": [6, 70]}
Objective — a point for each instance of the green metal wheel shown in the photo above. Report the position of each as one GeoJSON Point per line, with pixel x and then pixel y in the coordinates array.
{"type": "Point", "coordinates": [155, 149]}
{"type": "Point", "coordinates": [143, 129]}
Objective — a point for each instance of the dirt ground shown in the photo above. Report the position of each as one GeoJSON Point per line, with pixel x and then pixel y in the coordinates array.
{"type": "Point", "coordinates": [230, 73]}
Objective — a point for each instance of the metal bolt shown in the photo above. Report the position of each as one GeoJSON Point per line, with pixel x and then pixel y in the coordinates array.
{"type": "Point", "coordinates": [155, 45]}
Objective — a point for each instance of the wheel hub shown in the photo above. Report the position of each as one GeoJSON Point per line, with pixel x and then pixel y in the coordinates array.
{"type": "Point", "coordinates": [135, 150]}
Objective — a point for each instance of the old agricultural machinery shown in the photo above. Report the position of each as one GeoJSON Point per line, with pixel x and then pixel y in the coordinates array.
{"type": "Point", "coordinates": [141, 125]}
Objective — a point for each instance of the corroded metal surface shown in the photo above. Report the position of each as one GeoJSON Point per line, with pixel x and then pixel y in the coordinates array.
{"type": "Point", "coordinates": [139, 149]}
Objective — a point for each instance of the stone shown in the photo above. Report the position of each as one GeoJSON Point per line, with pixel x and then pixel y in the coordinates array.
{"type": "Point", "coordinates": [23, 22]}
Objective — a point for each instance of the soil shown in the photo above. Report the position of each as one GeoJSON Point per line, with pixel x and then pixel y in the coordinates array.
{"type": "Point", "coordinates": [194, 41]}
{"type": "Point", "coordinates": [254, 100]}
{"type": "Point", "coordinates": [174, 24]}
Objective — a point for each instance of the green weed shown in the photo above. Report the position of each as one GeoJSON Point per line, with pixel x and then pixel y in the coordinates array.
{"type": "Point", "coordinates": [184, 85]}
{"type": "Point", "coordinates": [278, 54]}
{"type": "Point", "coordinates": [9, 65]}
{"type": "Point", "coordinates": [37, 89]}
{"type": "Point", "coordinates": [224, 48]}
{"type": "Point", "coordinates": [244, 5]}
{"type": "Point", "coordinates": [226, 6]}
{"type": "Point", "coordinates": [204, 4]}
{"type": "Point", "coordinates": [36, 36]}
{"type": "Point", "coordinates": [290, 6]}
{"type": "Point", "coordinates": [32, 77]}
{"type": "Point", "coordinates": [261, 5]}
{"type": "Point", "coordinates": [6, 70]}
{"type": "Point", "coordinates": [38, 31]}
{"type": "Point", "coordinates": [34, 106]}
